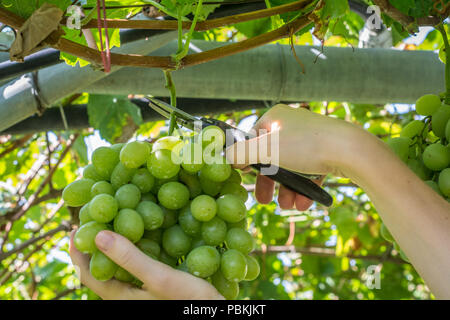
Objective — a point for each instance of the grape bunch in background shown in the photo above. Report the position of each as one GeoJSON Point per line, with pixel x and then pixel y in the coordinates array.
{"type": "Point", "coordinates": [424, 146]}
{"type": "Point", "coordinates": [188, 214]}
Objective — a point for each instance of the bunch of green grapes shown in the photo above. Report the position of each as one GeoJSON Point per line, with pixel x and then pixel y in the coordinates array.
{"type": "Point", "coordinates": [176, 207]}
{"type": "Point", "coordinates": [424, 146]}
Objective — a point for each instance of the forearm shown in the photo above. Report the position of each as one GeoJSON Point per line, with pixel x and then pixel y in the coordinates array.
{"type": "Point", "coordinates": [417, 217]}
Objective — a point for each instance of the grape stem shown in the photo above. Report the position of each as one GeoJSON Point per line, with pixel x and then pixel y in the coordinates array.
{"type": "Point", "coordinates": [183, 50]}
{"type": "Point", "coordinates": [173, 98]}
{"type": "Point", "coordinates": [441, 29]}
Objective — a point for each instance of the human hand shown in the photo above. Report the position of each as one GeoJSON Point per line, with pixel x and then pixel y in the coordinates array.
{"type": "Point", "coordinates": [160, 281]}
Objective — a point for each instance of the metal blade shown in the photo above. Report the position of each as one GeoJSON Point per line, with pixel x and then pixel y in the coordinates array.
{"type": "Point", "coordinates": [169, 108]}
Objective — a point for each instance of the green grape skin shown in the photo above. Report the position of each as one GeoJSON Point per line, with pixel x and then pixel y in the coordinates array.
{"type": "Point", "coordinates": [428, 104]}
{"type": "Point", "coordinates": [129, 224]}
{"type": "Point", "coordinates": [233, 265]}
{"type": "Point", "coordinates": [151, 213]}
{"type": "Point", "coordinates": [400, 146]}
{"type": "Point", "coordinates": [165, 258]}
{"type": "Point", "coordinates": [101, 267]}
{"type": "Point", "coordinates": [128, 196]}
{"type": "Point", "coordinates": [240, 224]}
{"type": "Point", "coordinates": [134, 154]}
{"type": "Point", "coordinates": [203, 261]}
{"type": "Point", "coordinates": [230, 208]}
{"type": "Point", "coordinates": [192, 182]}
{"type": "Point", "coordinates": [444, 182]}
{"type": "Point", "coordinates": [229, 290]}
{"type": "Point", "coordinates": [160, 182]}
{"type": "Point", "coordinates": [78, 193]}
{"type": "Point", "coordinates": [209, 187]}
{"type": "Point", "coordinates": [173, 195]}
{"type": "Point", "coordinates": [192, 157]}
{"type": "Point", "coordinates": [433, 185]}
{"type": "Point", "coordinates": [436, 157]}
{"type": "Point", "coordinates": [105, 160]}
{"type": "Point", "coordinates": [121, 175]}
{"type": "Point", "coordinates": [234, 189]}
{"type": "Point", "coordinates": [170, 218]}
{"type": "Point", "coordinates": [143, 179]}
{"type": "Point", "coordinates": [89, 172]}
{"type": "Point", "coordinates": [103, 208]}
{"type": "Point", "coordinates": [253, 268]}
{"type": "Point", "coordinates": [84, 239]}
{"type": "Point", "coordinates": [214, 231]}
{"type": "Point", "coordinates": [175, 242]}
{"type": "Point", "coordinates": [149, 247]}
{"type": "Point", "coordinates": [102, 187]}
{"type": "Point", "coordinates": [117, 147]}
{"type": "Point", "coordinates": [240, 240]}
{"type": "Point", "coordinates": [447, 130]}
{"type": "Point", "coordinates": [161, 166]}
{"type": "Point", "coordinates": [212, 134]}
{"type": "Point", "coordinates": [204, 208]}
{"type": "Point", "coordinates": [188, 223]}
{"type": "Point", "coordinates": [84, 215]}
{"type": "Point", "coordinates": [235, 177]}
{"type": "Point", "coordinates": [148, 197]}
{"type": "Point", "coordinates": [417, 166]}
{"type": "Point", "coordinates": [166, 143]}
{"type": "Point", "coordinates": [413, 129]}
{"type": "Point", "coordinates": [385, 233]}
{"type": "Point", "coordinates": [197, 242]}
{"type": "Point", "coordinates": [217, 172]}
{"type": "Point", "coordinates": [123, 275]}
{"type": "Point", "coordinates": [439, 120]}
{"type": "Point", "coordinates": [155, 235]}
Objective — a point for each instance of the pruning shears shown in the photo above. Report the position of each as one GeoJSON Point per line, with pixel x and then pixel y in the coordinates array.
{"type": "Point", "coordinates": [297, 182]}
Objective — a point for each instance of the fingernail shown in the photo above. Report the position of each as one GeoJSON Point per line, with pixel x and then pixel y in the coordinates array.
{"type": "Point", "coordinates": [104, 240]}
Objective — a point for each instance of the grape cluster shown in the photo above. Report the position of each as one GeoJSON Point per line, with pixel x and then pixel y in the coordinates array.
{"type": "Point", "coordinates": [182, 211]}
{"type": "Point", "coordinates": [424, 146]}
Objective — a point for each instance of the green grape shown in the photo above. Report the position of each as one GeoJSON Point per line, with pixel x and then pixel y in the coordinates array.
{"type": "Point", "coordinates": [78, 192]}
{"type": "Point", "coordinates": [444, 182]}
{"type": "Point", "coordinates": [217, 172]}
{"type": "Point", "coordinates": [436, 157]}
{"type": "Point", "coordinates": [203, 261]}
{"type": "Point", "coordinates": [83, 215]}
{"type": "Point", "coordinates": [173, 195]}
{"type": "Point", "coordinates": [129, 224]}
{"type": "Point", "coordinates": [209, 187]}
{"type": "Point", "coordinates": [439, 120]}
{"type": "Point", "coordinates": [234, 189]}
{"type": "Point", "coordinates": [103, 208]}
{"type": "Point", "coordinates": [148, 197]}
{"type": "Point", "coordinates": [204, 207]}
{"type": "Point", "coordinates": [434, 186]}
{"type": "Point", "coordinates": [412, 129]}
{"type": "Point", "coordinates": [161, 166]}
{"type": "Point", "coordinates": [143, 179]}
{"type": "Point", "coordinates": [121, 175]}
{"type": "Point", "coordinates": [428, 104]}
{"type": "Point", "coordinates": [188, 223]}
{"type": "Point", "coordinates": [197, 242]}
{"type": "Point", "coordinates": [84, 239]}
{"type": "Point", "coordinates": [192, 182]}
{"type": "Point", "coordinates": [117, 147]}
{"type": "Point", "coordinates": [170, 218]}
{"type": "Point", "coordinates": [214, 231]}
{"type": "Point", "coordinates": [128, 196]}
{"type": "Point", "coordinates": [417, 166]}
{"type": "Point", "coordinates": [192, 157]}
{"type": "Point", "coordinates": [102, 187]}
{"type": "Point", "coordinates": [240, 240]}
{"type": "Point", "coordinates": [166, 143]}
{"type": "Point", "coordinates": [101, 267]}
{"type": "Point", "coordinates": [105, 160]}
{"type": "Point", "coordinates": [149, 247]}
{"type": "Point", "coordinates": [155, 235]}
{"type": "Point", "coordinates": [229, 290]}
{"type": "Point", "coordinates": [385, 233]}
{"type": "Point", "coordinates": [151, 213]}
{"type": "Point", "coordinates": [447, 130]}
{"type": "Point", "coordinates": [230, 208]}
{"type": "Point", "coordinates": [134, 154]}
{"type": "Point", "coordinates": [235, 177]}
{"type": "Point", "coordinates": [253, 268]}
{"type": "Point", "coordinates": [160, 182]}
{"type": "Point", "coordinates": [175, 242]}
{"type": "Point", "coordinates": [233, 265]}
{"type": "Point", "coordinates": [123, 275]}
{"type": "Point", "coordinates": [89, 172]}
{"type": "Point", "coordinates": [400, 146]}
{"type": "Point", "coordinates": [442, 55]}
{"type": "Point", "coordinates": [165, 258]}
{"type": "Point", "coordinates": [212, 134]}
{"type": "Point", "coordinates": [240, 224]}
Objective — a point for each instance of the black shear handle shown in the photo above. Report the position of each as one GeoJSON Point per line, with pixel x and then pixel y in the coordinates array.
{"type": "Point", "coordinates": [287, 178]}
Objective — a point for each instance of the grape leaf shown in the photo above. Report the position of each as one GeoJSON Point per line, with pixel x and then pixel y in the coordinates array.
{"type": "Point", "coordinates": [254, 28]}
{"type": "Point", "coordinates": [25, 8]}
